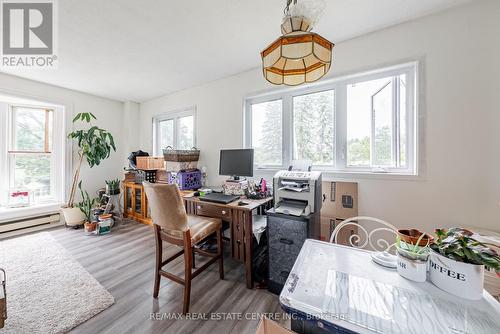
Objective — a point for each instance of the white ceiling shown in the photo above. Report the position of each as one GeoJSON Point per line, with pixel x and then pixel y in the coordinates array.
{"type": "Point", "coordinates": [137, 50]}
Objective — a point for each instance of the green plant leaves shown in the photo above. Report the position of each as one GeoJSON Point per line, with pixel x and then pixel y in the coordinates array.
{"type": "Point", "coordinates": [87, 203]}
{"type": "Point", "coordinates": [458, 244]}
{"type": "Point", "coordinates": [84, 117]}
{"type": "Point", "coordinates": [95, 143]}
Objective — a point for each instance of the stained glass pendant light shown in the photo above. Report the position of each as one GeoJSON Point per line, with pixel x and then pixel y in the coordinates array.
{"type": "Point", "coordinates": [299, 55]}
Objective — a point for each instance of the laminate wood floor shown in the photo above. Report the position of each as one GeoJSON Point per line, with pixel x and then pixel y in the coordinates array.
{"type": "Point", "coordinates": [123, 263]}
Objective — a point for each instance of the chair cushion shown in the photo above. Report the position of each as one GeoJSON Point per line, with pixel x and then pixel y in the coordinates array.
{"type": "Point", "coordinates": [200, 228]}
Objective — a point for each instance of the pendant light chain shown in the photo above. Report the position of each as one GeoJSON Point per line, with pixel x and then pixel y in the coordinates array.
{"type": "Point", "coordinates": [287, 8]}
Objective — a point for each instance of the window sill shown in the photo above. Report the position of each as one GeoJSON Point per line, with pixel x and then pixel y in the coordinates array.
{"type": "Point", "coordinates": [9, 214]}
{"type": "Point", "coordinates": [332, 174]}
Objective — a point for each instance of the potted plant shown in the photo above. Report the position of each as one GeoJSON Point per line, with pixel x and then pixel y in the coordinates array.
{"type": "Point", "coordinates": [412, 257]}
{"type": "Point", "coordinates": [113, 187]}
{"type": "Point", "coordinates": [411, 237]}
{"type": "Point", "coordinates": [86, 206]}
{"type": "Point", "coordinates": [94, 145]}
{"type": "Point", "coordinates": [457, 262]}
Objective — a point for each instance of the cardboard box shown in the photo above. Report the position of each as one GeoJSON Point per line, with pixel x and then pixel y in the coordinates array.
{"type": "Point", "coordinates": [340, 199]}
{"type": "Point", "coordinates": [328, 225]}
{"type": "Point", "coordinates": [150, 163]}
{"type": "Point", "coordinates": [267, 326]}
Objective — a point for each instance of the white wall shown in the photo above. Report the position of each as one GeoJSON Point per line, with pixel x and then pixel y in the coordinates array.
{"type": "Point", "coordinates": [109, 115]}
{"type": "Point", "coordinates": [131, 141]}
{"type": "Point", "coordinates": [459, 49]}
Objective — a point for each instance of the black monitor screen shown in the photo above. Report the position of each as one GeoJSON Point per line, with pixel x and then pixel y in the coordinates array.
{"type": "Point", "coordinates": [236, 162]}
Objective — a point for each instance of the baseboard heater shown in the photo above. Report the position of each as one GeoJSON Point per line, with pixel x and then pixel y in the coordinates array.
{"type": "Point", "coordinates": [20, 226]}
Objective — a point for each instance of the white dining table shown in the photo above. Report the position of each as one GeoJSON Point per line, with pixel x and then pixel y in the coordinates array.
{"type": "Point", "coordinates": [336, 288]}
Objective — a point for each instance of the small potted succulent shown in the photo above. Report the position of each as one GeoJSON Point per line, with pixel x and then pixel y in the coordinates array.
{"type": "Point", "coordinates": [412, 256]}
{"type": "Point", "coordinates": [113, 187]}
{"type": "Point", "coordinates": [86, 206]}
{"type": "Point", "coordinates": [458, 260]}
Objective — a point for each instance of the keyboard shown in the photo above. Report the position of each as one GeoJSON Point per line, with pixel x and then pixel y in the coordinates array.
{"type": "Point", "coordinates": [219, 198]}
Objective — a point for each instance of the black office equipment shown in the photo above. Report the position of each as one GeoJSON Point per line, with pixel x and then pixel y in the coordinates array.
{"type": "Point", "coordinates": [286, 235]}
{"type": "Point", "coordinates": [219, 198]}
{"type": "Point", "coordinates": [236, 163]}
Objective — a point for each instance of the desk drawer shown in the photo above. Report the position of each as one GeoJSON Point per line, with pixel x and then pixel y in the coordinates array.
{"type": "Point", "coordinates": [210, 210]}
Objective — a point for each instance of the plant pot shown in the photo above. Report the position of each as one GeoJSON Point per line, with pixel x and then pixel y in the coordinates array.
{"type": "Point", "coordinates": [110, 191]}
{"type": "Point", "coordinates": [90, 227]}
{"type": "Point", "coordinates": [458, 278]}
{"type": "Point", "coordinates": [414, 270]}
{"type": "Point", "coordinates": [411, 237]}
{"type": "Point", "coordinates": [73, 216]}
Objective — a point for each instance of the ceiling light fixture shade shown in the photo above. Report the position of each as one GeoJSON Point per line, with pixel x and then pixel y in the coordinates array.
{"type": "Point", "coordinates": [298, 56]}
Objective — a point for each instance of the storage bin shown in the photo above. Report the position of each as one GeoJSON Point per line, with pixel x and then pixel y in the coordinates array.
{"type": "Point", "coordinates": [150, 163]}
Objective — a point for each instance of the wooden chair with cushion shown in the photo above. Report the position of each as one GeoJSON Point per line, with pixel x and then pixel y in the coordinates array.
{"type": "Point", "coordinates": [173, 225]}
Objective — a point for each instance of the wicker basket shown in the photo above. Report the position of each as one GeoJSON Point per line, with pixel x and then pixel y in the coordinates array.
{"type": "Point", "coordinates": [181, 155]}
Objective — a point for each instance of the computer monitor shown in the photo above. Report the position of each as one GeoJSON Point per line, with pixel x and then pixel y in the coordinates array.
{"type": "Point", "coordinates": [236, 163]}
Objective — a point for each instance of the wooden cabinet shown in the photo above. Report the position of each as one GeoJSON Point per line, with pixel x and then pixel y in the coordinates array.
{"type": "Point", "coordinates": [135, 205]}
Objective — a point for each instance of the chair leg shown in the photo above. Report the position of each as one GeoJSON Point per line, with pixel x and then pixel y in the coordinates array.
{"type": "Point", "coordinates": [159, 252]}
{"type": "Point", "coordinates": [188, 263]}
{"type": "Point", "coordinates": [220, 253]}
{"type": "Point", "coordinates": [194, 258]}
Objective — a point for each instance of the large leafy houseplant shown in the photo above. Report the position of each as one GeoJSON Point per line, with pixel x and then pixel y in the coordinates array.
{"type": "Point", "coordinates": [94, 144]}
{"type": "Point", "coordinates": [459, 244]}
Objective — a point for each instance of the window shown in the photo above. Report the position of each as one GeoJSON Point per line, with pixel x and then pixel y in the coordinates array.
{"type": "Point", "coordinates": [33, 157]}
{"type": "Point", "coordinates": [176, 129]}
{"type": "Point", "coordinates": [313, 119]}
{"type": "Point", "coordinates": [362, 123]}
{"type": "Point", "coordinates": [267, 133]}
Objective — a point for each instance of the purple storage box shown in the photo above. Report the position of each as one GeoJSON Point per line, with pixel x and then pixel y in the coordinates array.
{"type": "Point", "coordinates": [187, 180]}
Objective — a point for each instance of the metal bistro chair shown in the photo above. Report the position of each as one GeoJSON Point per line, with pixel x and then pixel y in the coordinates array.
{"type": "Point", "coordinates": [355, 239]}
{"type": "Point", "coordinates": [173, 225]}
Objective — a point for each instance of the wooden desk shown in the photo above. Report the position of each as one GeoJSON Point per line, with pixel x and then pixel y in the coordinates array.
{"type": "Point", "coordinates": [239, 218]}
{"type": "Point", "coordinates": [340, 289]}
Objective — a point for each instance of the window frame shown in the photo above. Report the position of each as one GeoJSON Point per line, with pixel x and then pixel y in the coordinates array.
{"type": "Point", "coordinates": [58, 153]}
{"type": "Point", "coordinates": [339, 86]}
{"type": "Point", "coordinates": [175, 115]}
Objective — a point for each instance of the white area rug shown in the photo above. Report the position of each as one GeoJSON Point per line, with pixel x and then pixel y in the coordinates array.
{"type": "Point", "coordinates": [47, 290]}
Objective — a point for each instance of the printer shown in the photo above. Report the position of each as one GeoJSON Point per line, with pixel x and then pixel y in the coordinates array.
{"type": "Point", "coordinates": [297, 193]}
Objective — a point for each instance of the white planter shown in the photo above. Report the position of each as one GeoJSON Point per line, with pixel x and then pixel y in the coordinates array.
{"type": "Point", "coordinates": [458, 278]}
{"type": "Point", "coordinates": [412, 269]}
{"type": "Point", "coordinates": [73, 216]}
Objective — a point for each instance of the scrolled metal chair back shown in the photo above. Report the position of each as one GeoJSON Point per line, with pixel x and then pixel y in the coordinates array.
{"type": "Point", "coordinates": [355, 239]}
